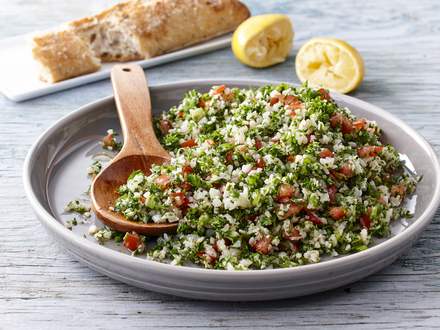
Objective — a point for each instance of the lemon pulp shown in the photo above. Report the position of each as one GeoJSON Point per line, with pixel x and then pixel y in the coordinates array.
{"type": "Point", "coordinates": [263, 40]}
{"type": "Point", "coordinates": [330, 63]}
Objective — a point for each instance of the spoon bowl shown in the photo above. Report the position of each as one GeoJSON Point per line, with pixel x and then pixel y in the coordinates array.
{"type": "Point", "coordinates": [141, 150]}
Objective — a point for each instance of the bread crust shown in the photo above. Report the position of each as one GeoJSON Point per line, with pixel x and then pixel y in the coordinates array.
{"type": "Point", "coordinates": [63, 55]}
{"type": "Point", "coordinates": [134, 30]}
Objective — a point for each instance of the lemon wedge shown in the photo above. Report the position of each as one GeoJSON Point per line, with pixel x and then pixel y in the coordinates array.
{"type": "Point", "coordinates": [263, 40]}
{"type": "Point", "coordinates": [330, 63]}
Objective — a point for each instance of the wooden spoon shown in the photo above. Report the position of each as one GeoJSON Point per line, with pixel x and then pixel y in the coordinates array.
{"type": "Point", "coordinates": [140, 151]}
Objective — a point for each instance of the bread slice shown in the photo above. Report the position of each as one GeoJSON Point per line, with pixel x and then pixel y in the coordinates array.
{"type": "Point", "coordinates": [62, 55]}
{"type": "Point", "coordinates": [160, 26]}
{"type": "Point", "coordinates": [134, 30]}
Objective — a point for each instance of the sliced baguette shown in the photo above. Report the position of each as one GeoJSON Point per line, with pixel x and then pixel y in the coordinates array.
{"type": "Point", "coordinates": [134, 30]}
{"type": "Point", "coordinates": [62, 55]}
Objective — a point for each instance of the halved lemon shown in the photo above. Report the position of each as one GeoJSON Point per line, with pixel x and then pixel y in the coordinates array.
{"type": "Point", "coordinates": [263, 40]}
{"type": "Point", "coordinates": [330, 63]}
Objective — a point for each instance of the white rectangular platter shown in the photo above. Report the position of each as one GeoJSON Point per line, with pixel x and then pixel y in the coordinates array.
{"type": "Point", "coordinates": [19, 77]}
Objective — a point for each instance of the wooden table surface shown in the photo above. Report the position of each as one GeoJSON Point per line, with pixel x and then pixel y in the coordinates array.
{"type": "Point", "coordinates": [43, 287]}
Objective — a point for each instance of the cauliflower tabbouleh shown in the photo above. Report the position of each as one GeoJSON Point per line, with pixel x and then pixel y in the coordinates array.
{"type": "Point", "coordinates": [267, 178]}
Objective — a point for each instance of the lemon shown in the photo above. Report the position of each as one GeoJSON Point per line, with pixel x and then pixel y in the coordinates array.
{"type": "Point", "coordinates": [263, 40]}
{"type": "Point", "coordinates": [330, 63]}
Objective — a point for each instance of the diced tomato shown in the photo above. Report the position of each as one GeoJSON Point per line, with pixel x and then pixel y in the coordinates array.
{"type": "Point", "coordinates": [339, 120]}
{"type": "Point", "coordinates": [291, 158]}
{"type": "Point", "coordinates": [229, 157]}
{"type": "Point", "coordinates": [258, 144]}
{"type": "Point", "coordinates": [346, 171]}
{"type": "Point", "coordinates": [292, 102]}
{"type": "Point", "coordinates": [187, 169]}
{"type": "Point", "coordinates": [293, 210]}
{"type": "Point", "coordinates": [369, 151]}
{"type": "Point", "coordinates": [263, 245]}
{"type": "Point", "coordinates": [165, 126]}
{"type": "Point", "coordinates": [188, 143]}
{"type": "Point", "coordinates": [210, 259]}
{"type": "Point", "coordinates": [365, 221]}
{"type": "Point", "coordinates": [201, 103]}
{"type": "Point", "coordinates": [261, 163]}
{"type": "Point", "coordinates": [219, 89]}
{"type": "Point", "coordinates": [346, 126]}
{"type": "Point", "coordinates": [289, 99]}
{"type": "Point", "coordinates": [131, 241]}
{"type": "Point", "coordinates": [337, 213]}
{"type": "Point", "coordinates": [179, 199]}
{"type": "Point", "coordinates": [283, 199]}
{"type": "Point", "coordinates": [251, 217]}
{"type": "Point", "coordinates": [360, 124]}
{"type": "Point", "coordinates": [274, 100]}
{"type": "Point", "coordinates": [186, 186]}
{"type": "Point", "coordinates": [326, 153]}
{"type": "Point", "coordinates": [332, 190]}
{"type": "Point", "coordinates": [292, 114]}
{"type": "Point", "coordinates": [398, 189]}
{"type": "Point", "coordinates": [108, 140]}
{"type": "Point", "coordinates": [314, 218]}
{"type": "Point", "coordinates": [285, 191]}
{"type": "Point", "coordinates": [324, 94]}
{"type": "Point", "coordinates": [293, 235]}
{"type": "Point", "coordinates": [162, 181]}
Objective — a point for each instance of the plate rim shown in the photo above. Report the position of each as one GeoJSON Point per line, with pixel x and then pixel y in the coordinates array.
{"type": "Point", "coordinates": [107, 254]}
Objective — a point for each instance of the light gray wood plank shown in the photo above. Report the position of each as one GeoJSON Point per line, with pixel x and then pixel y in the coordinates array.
{"type": "Point", "coordinates": [43, 287]}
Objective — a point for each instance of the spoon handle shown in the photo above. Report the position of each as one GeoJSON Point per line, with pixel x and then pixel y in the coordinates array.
{"type": "Point", "coordinates": [133, 102]}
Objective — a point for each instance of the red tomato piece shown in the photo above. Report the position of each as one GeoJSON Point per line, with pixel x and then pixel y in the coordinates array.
{"type": "Point", "coordinates": [165, 126]}
{"type": "Point", "coordinates": [201, 103]}
{"type": "Point", "coordinates": [188, 143]}
{"type": "Point", "coordinates": [263, 245]}
{"type": "Point", "coordinates": [108, 140]}
{"type": "Point", "coordinates": [131, 241]}
{"type": "Point", "coordinates": [326, 153]}
{"type": "Point", "coordinates": [324, 94]}
{"type": "Point", "coordinates": [360, 124]}
{"type": "Point", "coordinates": [332, 190]}
{"type": "Point", "coordinates": [339, 120]}
{"type": "Point", "coordinates": [258, 144]}
{"type": "Point", "coordinates": [229, 157]}
{"type": "Point", "coordinates": [187, 169]}
{"type": "Point", "coordinates": [261, 163]}
{"type": "Point", "coordinates": [365, 221]}
{"type": "Point", "coordinates": [219, 89]}
{"type": "Point", "coordinates": [314, 218]}
{"type": "Point", "coordinates": [337, 213]}
{"type": "Point", "coordinates": [293, 235]}
{"type": "Point", "coordinates": [398, 189]}
{"type": "Point", "coordinates": [285, 190]}
{"type": "Point", "coordinates": [293, 210]}
{"type": "Point", "coordinates": [179, 199]}
{"type": "Point", "coordinates": [274, 100]}
{"type": "Point", "coordinates": [369, 151]}
{"type": "Point", "coordinates": [186, 186]}
{"type": "Point", "coordinates": [163, 181]}
{"type": "Point", "coordinates": [346, 171]}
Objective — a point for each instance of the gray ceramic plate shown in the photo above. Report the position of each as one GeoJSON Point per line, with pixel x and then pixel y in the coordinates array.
{"type": "Point", "coordinates": [55, 172]}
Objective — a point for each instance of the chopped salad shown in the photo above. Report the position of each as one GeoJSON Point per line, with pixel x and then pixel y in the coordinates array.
{"type": "Point", "coordinates": [267, 178]}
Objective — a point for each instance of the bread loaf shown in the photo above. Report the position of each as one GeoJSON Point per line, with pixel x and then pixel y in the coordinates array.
{"type": "Point", "coordinates": [134, 30]}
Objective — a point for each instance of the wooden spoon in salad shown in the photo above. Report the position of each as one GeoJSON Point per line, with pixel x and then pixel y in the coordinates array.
{"type": "Point", "coordinates": [140, 151]}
